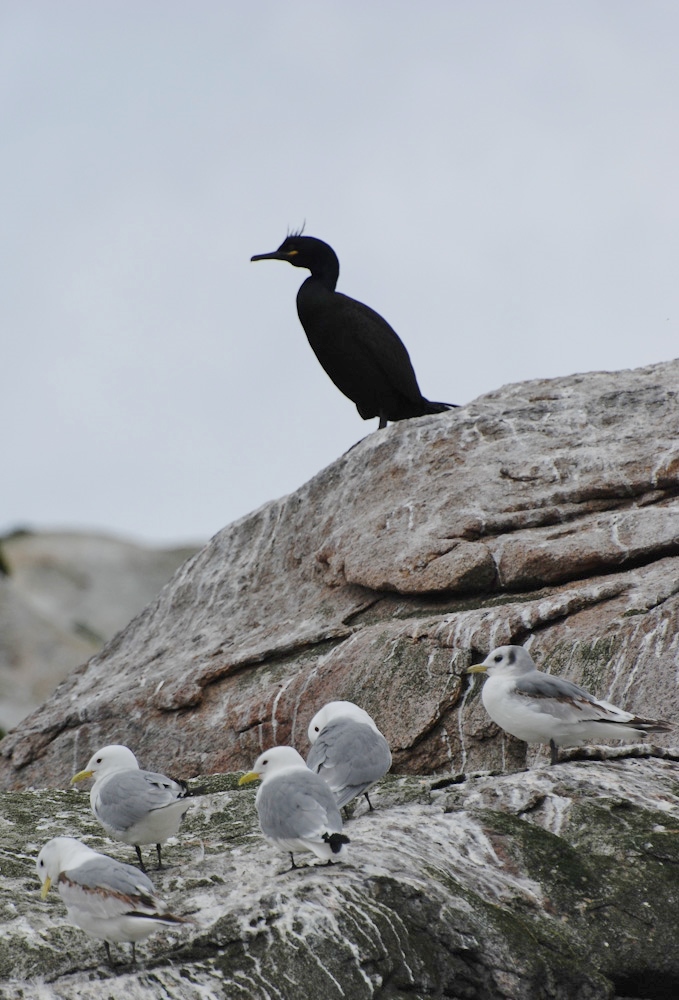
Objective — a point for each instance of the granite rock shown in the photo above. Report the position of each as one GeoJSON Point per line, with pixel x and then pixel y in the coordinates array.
{"type": "Point", "coordinates": [545, 513]}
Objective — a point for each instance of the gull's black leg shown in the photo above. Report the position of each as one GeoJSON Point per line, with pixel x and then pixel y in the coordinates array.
{"type": "Point", "coordinates": [292, 861]}
{"type": "Point", "coordinates": [370, 805]}
{"type": "Point", "coordinates": [141, 860]}
{"type": "Point", "coordinates": [292, 865]}
{"type": "Point", "coordinates": [160, 863]}
{"type": "Point", "coordinates": [554, 751]}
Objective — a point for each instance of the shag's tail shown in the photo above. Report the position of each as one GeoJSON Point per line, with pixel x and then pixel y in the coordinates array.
{"type": "Point", "coordinates": [439, 407]}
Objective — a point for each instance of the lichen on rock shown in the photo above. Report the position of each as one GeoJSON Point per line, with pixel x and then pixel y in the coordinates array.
{"type": "Point", "coordinates": [556, 882]}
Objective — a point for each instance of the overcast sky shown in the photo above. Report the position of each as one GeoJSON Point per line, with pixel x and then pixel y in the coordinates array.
{"type": "Point", "coordinates": [499, 180]}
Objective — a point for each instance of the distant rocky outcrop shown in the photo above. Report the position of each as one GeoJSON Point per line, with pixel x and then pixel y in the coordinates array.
{"type": "Point", "coordinates": [62, 595]}
{"type": "Point", "coordinates": [545, 513]}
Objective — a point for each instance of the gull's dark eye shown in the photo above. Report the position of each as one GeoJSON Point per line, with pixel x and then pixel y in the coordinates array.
{"type": "Point", "coordinates": [42, 863]}
{"type": "Point", "coordinates": [98, 760]}
{"type": "Point", "coordinates": [264, 762]}
{"type": "Point", "coordinates": [498, 658]}
{"type": "Point", "coordinates": [317, 729]}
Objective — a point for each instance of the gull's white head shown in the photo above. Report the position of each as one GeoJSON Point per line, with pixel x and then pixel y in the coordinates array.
{"type": "Point", "coordinates": [107, 760]}
{"type": "Point", "coordinates": [58, 855]}
{"type": "Point", "coordinates": [272, 762]}
{"type": "Point", "coordinates": [337, 710]}
{"type": "Point", "coordinates": [505, 660]}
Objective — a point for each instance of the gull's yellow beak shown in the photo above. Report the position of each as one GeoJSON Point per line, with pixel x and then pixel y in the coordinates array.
{"type": "Point", "coordinates": [46, 886]}
{"type": "Point", "coordinates": [477, 668]}
{"type": "Point", "coordinates": [81, 776]}
{"type": "Point", "coordinates": [247, 778]}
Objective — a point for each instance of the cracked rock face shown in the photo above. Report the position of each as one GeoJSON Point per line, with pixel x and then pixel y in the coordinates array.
{"type": "Point", "coordinates": [555, 883]}
{"type": "Point", "coordinates": [546, 511]}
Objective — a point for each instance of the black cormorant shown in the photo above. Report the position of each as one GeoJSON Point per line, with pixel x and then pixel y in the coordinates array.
{"type": "Point", "coordinates": [364, 357]}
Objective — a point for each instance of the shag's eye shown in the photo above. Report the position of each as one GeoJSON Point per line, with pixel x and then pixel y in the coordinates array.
{"type": "Point", "coordinates": [292, 253]}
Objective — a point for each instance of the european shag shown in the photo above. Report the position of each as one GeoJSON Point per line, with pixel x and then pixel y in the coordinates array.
{"type": "Point", "coordinates": [363, 356]}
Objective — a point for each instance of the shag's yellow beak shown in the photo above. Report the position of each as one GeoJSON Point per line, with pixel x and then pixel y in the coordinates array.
{"type": "Point", "coordinates": [46, 886]}
{"type": "Point", "coordinates": [247, 778]}
{"type": "Point", "coordinates": [477, 668]}
{"type": "Point", "coordinates": [81, 776]}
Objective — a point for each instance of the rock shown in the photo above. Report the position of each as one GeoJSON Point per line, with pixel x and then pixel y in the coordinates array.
{"type": "Point", "coordinates": [551, 884]}
{"type": "Point", "coordinates": [546, 511]}
{"type": "Point", "coordinates": [35, 654]}
{"type": "Point", "coordinates": [62, 595]}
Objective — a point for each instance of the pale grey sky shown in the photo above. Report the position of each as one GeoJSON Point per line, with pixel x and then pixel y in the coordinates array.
{"type": "Point", "coordinates": [499, 180]}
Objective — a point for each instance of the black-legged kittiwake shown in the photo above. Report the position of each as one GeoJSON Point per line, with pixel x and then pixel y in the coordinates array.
{"type": "Point", "coordinates": [539, 708]}
{"type": "Point", "coordinates": [109, 900]}
{"type": "Point", "coordinates": [134, 806]}
{"type": "Point", "coordinates": [348, 750]}
{"type": "Point", "coordinates": [297, 811]}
